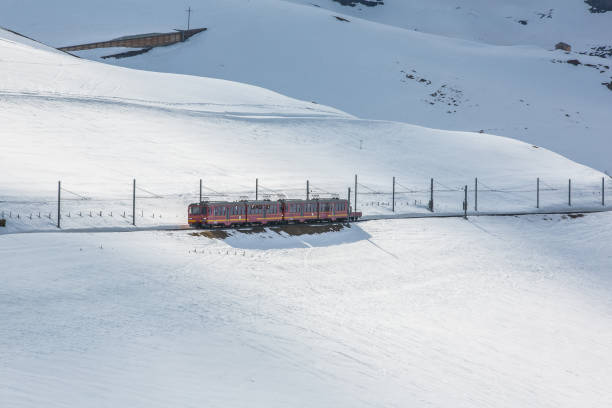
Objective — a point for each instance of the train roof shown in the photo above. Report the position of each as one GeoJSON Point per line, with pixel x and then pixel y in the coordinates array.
{"type": "Point", "coordinates": [289, 200]}
{"type": "Point", "coordinates": [237, 202]}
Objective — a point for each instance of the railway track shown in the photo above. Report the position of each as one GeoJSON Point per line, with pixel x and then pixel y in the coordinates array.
{"type": "Point", "coordinates": [367, 218]}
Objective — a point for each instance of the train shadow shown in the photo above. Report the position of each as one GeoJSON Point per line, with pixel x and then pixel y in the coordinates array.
{"type": "Point", "coordinates": [288, 236]}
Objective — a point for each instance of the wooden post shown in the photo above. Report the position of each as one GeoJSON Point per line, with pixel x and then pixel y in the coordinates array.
{"type": "Point", "coordinates": [355, 192]}
{"type": "Point", "coordinates": [538, 193]}
{"type": "Point", "coordinates": [59, 202]}
{"type": "Point", "coordinates": [307, 189]}
{"type": "Point", "coordinates": [431, 198]}
{"type": "Point", "coordinates": [256, 189]}
{"type": "Point", "coordinates": [476, 194]}
{"type": "Point", "coordinates": [569, 193]}
{"type": "Point", "coordinates": [134, 203]}
{"type": "Point", "coordinates": [393, 196]}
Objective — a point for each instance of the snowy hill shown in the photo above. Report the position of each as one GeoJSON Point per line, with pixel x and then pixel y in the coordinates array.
{"type": "Point", "coordinates": [511, 22]}
{"type": "Point", "coordinates": [470, 68]}
{"type": "Point", "coordinates": [95, 127]}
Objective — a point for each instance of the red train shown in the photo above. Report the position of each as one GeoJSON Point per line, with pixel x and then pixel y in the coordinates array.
{"type": "Point", "coordinates": [228, 213]}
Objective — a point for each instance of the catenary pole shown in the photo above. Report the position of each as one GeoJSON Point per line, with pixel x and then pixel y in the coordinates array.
{"type": "Point", "coordinates": [603, 192]}
{"type": "Point", "coordinates": [355, 192]}
{"type": "Point", "coordinates": [476, 194]}
{"type": "Point", "coordinates": [134, 202]}
{"type": "Point", "coordinates": [465, 202]}
{"type": "Point", "coordinates": [200, 192]}
{"type": "Point", "coordinates": [307, 189]}
{"type": "Point", "coordinates": [431, 198]}
{"type": "Point", "coordinates": [393, 196]}
{"type": "Point", "coordinates": [59, 202]}
{"type": "Point", "coordinates": [256, 189]}
{"type": "Point", "coordinates": [348, 209]}
{"type": "Point", "coordinates": [569, 193]}
{"type": "Point", "coordinates": [538, 193]}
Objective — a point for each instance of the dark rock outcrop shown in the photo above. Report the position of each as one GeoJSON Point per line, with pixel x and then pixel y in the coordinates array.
{"type": "Point", "coordinates": [353, 3]}
{"type": "Point", "coordinates": [599, 6]}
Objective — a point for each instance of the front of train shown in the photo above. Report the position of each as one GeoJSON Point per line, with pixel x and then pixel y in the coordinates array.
{"type": "Point", "coordinates": [196, 215]}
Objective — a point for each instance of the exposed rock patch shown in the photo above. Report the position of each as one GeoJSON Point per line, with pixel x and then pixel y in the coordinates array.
{"type": "Point", "coordinates": [444, 95]}
{"type": "Point", "coordinates": [602, 51]}
{"type": "Point", "coordinates": [599, 6]}
{"type": "Point", "coordinates": [353, 3]}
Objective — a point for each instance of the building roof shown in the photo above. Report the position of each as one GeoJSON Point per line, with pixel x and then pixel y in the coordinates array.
{"type": "Point", "coordinates": [132, 37]}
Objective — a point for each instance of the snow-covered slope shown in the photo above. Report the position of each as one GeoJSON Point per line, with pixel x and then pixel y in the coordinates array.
{"type": "Point", "coordinates": [502, 22]}
{"type": "Point", "coordinates": [95, 127]}
{"type": "Point", "coordinates": [495, 312]}
{"type": "Point", "coordinates": [381, 71]}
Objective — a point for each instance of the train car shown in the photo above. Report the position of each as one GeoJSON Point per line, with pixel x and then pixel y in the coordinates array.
{"type": "Point", "coordinates": [234, 213]}
{"type": "Point", "coordinates": [211, 213]}
{"type": "Point", "coordinates": [226, 213]}
{"type": "Point", "coordinates": [300, 210]}
{"type": "Point", "coordinates": [333, 209]}
{"type": "Point", "coordinates": [264, 212]}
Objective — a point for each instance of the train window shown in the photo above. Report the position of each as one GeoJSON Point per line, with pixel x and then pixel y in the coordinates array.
{"type": "Point", "coordinates": [195, 210]}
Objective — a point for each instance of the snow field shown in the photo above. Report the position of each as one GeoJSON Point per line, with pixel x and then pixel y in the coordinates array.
{"type": "Point", "coordinates": [497, 311]}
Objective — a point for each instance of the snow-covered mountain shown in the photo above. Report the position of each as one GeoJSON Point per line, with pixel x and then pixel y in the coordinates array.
{"type": "Point", "coordinates": [468, 67]}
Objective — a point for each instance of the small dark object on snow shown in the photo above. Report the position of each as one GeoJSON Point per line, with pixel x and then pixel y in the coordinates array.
{"type": "Point", "coordinates": [574, 216]}
{"type": "Point", "coordinates": [2, 222]}
{"type": "Point", "coordinates": [342, 19]}
{"type": "Point", "coordinates": [563, 46]}
{"type": "Point", "coordinates": [574, 62]}
{"type": "Point", "coordinates": [608, 85]}
{"type": "Point", "coordinates": [523, 22]}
